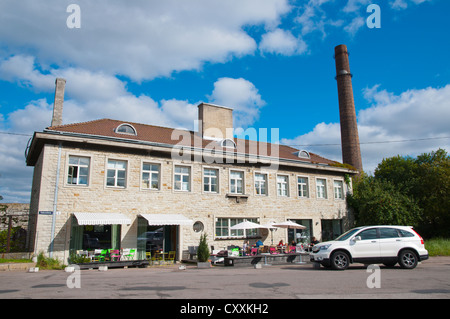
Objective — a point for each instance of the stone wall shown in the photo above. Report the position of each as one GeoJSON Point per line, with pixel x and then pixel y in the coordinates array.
{"type": "Point", "coordinates": [195, 205]}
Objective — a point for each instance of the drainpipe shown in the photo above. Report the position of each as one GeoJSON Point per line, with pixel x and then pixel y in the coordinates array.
{"type": "Point", "coordinates": [55, 201]}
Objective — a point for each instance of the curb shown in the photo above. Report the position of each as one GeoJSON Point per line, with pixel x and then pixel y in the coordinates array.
{"type": "Point", "coordinates": [16, 266]}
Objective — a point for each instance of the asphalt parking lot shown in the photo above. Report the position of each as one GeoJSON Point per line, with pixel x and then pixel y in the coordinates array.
{"type": "Point", "coordinates": [430, 280]}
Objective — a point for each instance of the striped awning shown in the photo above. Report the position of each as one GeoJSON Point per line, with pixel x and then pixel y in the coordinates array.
{"type": "Point", "coordinates": [166, 219]}
{"type": "Point", "coordinates": [102, 219]}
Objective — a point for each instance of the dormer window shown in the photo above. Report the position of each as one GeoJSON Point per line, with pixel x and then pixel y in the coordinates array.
{"type": "Point", "coordinates": [303, 154]}
{"type": "Point", "coordinates": [126, 129]}
{"type": "Point", "coordinates": [228, 143]}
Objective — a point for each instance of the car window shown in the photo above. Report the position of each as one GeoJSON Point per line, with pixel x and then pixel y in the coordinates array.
{"type": "Point", "coordinates": [368, 234]}
{"type": "Point", "coordinates": [405, 233]}
{"type": "Point", "coordinates": [389, 233]}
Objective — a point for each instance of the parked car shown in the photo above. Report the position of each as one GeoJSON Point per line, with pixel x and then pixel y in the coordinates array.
{"type": "Point", "coordinates": [386, 245]}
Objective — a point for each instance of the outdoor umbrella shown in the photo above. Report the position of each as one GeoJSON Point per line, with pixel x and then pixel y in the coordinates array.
{"type": "Point", "coordinates": [246, 225]}
{"type": "Point", "coordinates": [289, 224]}
{"type": "Point", "coordinates": [270, 227]}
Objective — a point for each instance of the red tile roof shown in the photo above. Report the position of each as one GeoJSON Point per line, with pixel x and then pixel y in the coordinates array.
{"type": "Point", "coordinates": [171, 136]}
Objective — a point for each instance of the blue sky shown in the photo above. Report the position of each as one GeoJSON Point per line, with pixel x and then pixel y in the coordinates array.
{"type": "Point", "coordinates": [271, 60]}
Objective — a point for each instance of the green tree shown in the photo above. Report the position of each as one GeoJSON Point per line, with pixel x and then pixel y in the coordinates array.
{"type": "Point", "coordinates": [427, 180]}
{"type": "Point", "coordinates": [378, 202]}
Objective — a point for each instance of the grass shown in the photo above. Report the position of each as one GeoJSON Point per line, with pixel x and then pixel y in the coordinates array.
{"type": "Point", "coordinates": [7, 261]}
{"type": "Point", "coordinates": [438, 246]}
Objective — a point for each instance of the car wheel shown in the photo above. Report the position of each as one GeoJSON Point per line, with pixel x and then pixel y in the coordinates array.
{"type": "Point", "coordinates": [340, 260]}
{"type": "Point", "coordinates": [407, 259]}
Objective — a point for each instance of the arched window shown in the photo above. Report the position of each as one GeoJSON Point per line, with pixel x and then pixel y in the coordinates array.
{"type": "Point", "coordinates": [303, 154]}
{"type": "Point", "coordinates": [126, 129]}
{"type": "Point", "coordinates": [228, 143]}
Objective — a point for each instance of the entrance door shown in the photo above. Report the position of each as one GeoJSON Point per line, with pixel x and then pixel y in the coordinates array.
{"type": "Point", "coordinates": [153, 238]}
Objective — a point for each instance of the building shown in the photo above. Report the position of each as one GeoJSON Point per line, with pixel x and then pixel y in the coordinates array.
{"type": "Point", "coordinates": [114, 184]}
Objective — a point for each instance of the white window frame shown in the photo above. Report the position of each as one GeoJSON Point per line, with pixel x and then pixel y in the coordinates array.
{"type": "Point", "coordinates": [175, 165]}
{"type": "Point", "coordinates": [150, 172]}
{"type": "Point", "coordinates": [209, 177]}
{"type": "Point", "coordinates": [68, 165]}
{"type": "Point", "coordinates": [307, 187]}
{"type": "Point", "coordinates": [116, 171]}
{"type": "Point", "coordinates": [342, 197]}
{"type": "Point", "coordinates": [266, 181]}
{"type": "Point", "coordinates": [286, 183]}
{"type": "Point", "coordinates": [243, 181]}
{"type": "Point", "coordinates": [236, 234]}
{"type": "Point", "coordinates": [126, 133]}
{"type": "Point", "coordinates": [325, 195]}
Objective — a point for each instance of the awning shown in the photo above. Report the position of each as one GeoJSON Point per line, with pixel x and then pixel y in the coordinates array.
{"type": "Point", "coordinates": [102, 219]}
{"type": "Point", "coordinates": [166, 219]}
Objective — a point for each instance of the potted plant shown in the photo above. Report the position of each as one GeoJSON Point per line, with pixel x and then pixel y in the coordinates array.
{"type": "Point", "coordinates": [203, 253]}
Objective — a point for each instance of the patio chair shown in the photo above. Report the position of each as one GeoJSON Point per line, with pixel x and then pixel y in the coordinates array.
{"type": "Point", "coordinates": [131, 254]}
{"type": "Point", "coordinates": [273, 250]}
{"type": "Point", "coordinates": [171, 257]}
{"type": "Point", "coordinates": [99, 255]}
{"type": "Point", "coordinates": [254, 251]}
{"type": "Point", "coordinates": [114, 254]}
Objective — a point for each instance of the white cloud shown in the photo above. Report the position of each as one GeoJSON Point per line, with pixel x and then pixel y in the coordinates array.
{"type": "Point", "coordinates": [139, 39]}
{"type": "Point", "coordinates": [413, 122]}
{"type": "Point", "coordinates": [354, 26]}
{"type": "Point", "coordinates": [242, 96]}
{"type": "Point", "coordinates": [282, 42]}
{"type": "Point", "coordinates": [403, 4]}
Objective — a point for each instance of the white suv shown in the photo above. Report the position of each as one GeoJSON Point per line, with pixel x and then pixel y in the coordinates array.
{"type": "Point", "coordinates": [372, 245]}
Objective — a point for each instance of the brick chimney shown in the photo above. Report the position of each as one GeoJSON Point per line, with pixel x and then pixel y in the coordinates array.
{"type": "Point", "coordinates": [59, 100]}
{"type": "Point", "coordinates": [215, 122]}
{"type": "Point", "coordinates": [351, 153]}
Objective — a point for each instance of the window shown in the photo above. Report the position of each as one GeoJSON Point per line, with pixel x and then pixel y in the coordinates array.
{"type": "Point", "coordinates": [182, 178]}
{"type": "Point", "coordinates": [302, 154]}
{"type": "Point", "coordinates": [405, 233]}
{"type": "Point", "coordinates": [150, 176]}
{"type": "Point", "coordinates": [282, 185]}
{"type": "Point", "coordinates": [389, 233]}
{"type": "Point", "coordinates": [236, 182]}
{"type": "Point", "coordinates": [321, 188]}
{"type": "Point", "coordinates": [90, 237]}
{"type": "Point", "coordinates": [210, 178]}
{"type": "Point", "coordinates": [228, 143]}
{"type": "Point", "coordinates": [303, 187]}
{"type": "Point", "coordinates": [223, 228]}
{"type": "Point", "coordinates": [261, 184]}
{"type": "Point", "coordinates": [198, 227]}
{"type": "Point", "coordinates": [368, 234]}
{"type": "Point", "coordinates": [126, 129]}
{"type": "Point", "coordinates": [116, 173]}
{"type": "Point", "coordinates": [78, 173]}
{"type": "Point", "coordinates": [338, 190]}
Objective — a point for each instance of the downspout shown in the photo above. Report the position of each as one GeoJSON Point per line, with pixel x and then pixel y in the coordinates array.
{"type": "Point", "coordinates": [55, 201]}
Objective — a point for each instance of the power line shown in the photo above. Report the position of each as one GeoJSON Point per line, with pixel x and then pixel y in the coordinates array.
{"type": "Point", "coordinates": [12, 133]}
{"type": "Point", "coordinates": [329, 144]}
{"type": "Point", "coordinates": [377, 142]}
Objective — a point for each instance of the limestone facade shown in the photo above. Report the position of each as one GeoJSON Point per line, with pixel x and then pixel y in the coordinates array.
{"type": "Point", "coordinates": [196, 204]}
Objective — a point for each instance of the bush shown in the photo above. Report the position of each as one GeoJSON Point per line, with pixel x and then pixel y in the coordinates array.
{"type": "Point", "coordinates": [203, 250]}
{"type": "Point", "coordinates": [48, 263]}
